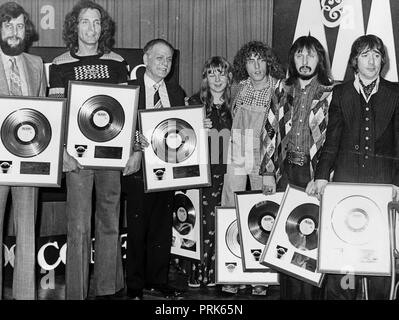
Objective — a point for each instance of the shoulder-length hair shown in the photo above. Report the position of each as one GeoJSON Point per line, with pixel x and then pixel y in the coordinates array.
{"type": "Point", "coordinates": [323, 66]}
{"type": "Point", "coordinates": [70, 31]}
{"type": "Point", "coordinates": [368, 41]}
{"type": "Point", "coordinates": [12, 10]}
{"type": "Point", "coordinates": [221, 64]}
{"type": "Point", "coordinates": [257, 48]}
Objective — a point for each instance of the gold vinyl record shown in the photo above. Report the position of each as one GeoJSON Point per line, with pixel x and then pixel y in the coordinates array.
{"type": "Point", "coordinates": [356, 220]}
{"type": "Point", "coordinates": [302, 226]}
{"type": "Point", "coordinates": [26, 133]}
{"type": "Point", "coordinates": [173, 140]}
{"type": "Point", "coordinates": [233, 239]}
{"type": "Point", "coordinates": [261, 218]}
{"type": "Point", "coordinates": [183, 214]}
{"type": "Point", "coordinates": [101, 118]}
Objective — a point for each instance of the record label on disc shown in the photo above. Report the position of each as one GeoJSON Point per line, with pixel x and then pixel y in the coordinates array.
{"type": "Point", "coordinates": [302, 226]}
{"type": "Point", "coordinates": [184, 215]}
{"type": "Point", "coordinates": [101, 118]}
{"type": "Point", "coordinates": [173, 140]}
{"type": "Point", "coordinates": [261, 218]}
{"type": "Point", "coordinates": [356, 220]}
{"type": "Point", "coordinates": [233, 239]}
{"type": "Point", "coordinates": [26, 133]}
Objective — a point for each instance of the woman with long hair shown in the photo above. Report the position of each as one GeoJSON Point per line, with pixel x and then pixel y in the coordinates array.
{"type": "Point", "coordinates": [215, 95]}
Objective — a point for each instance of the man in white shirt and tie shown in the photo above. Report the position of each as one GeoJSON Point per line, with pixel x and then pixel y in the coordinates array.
{"type": "Point", "coordinates": [149, 215]}
{"type": "Point", "coordinates": [21, 74]}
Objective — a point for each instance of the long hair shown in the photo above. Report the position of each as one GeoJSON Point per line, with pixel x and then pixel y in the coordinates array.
{"type": "Point", "coordinates": [221, 64]}
{"type": "Point", "coordinates": [323, 66]}
{"type": "Point", "coordinates": [258, 48]}
{"type": "Point", "coordinates": [12, 10]}
{"type": "Point", "coordinates": [70, 31]}
{"type": "Point", "coordinates": [368, 41]}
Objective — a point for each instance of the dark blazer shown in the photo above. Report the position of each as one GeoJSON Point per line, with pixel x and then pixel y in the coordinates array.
{"type": "Point", "coordinates": [175, 92]}
{"type": "Point", "coordinates": [342, 153]}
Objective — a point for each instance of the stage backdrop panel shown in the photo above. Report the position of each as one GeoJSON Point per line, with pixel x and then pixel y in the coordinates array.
{"type": "Point", "coordinates": [336, 24]}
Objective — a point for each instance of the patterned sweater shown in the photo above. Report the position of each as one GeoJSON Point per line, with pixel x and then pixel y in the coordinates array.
{"type": "Point", "coordinates": [104, 68]}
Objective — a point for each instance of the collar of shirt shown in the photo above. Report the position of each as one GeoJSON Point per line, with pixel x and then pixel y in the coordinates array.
{"type": "Point", "coordinates": [7, 69]}
{"type": "Point", "coordinates": [150, 91]}
{"type": "Point", "coordinates": [359, 88]}
{"type": "Point", "coordinates": [250, 96]}
{"type": "Point", "coordinates": [314, 83]}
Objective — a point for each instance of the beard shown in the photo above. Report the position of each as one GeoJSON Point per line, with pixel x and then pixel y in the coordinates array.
{"type": "Point", "coordinates": [12, 51]}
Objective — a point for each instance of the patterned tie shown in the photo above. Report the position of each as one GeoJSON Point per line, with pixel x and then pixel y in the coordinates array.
{"type": "Point", "coordinates": [157, 98]}
{"type": "Point", "coordinates": [15, 79]}
{"type": "Point", "coordinates": [369, 88]}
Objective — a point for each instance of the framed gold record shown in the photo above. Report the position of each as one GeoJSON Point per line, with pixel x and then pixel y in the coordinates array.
{"type": "Point", "coordinates": [229, 268]}
{"type": "Point", "coordinates": [31, 141]}
{"type": "Point", "coordinates": [256, 214]}
{"type": "Point", "coordinates": [178, 155]}
{"type": "Point", "coordinates": [101, 123]}
{"type": "Point", "coordinates": [293, 242]}
{"type": "Point", "coordinates": [187, 224]}
{"type": "Point", "coordinates": [355, 229]}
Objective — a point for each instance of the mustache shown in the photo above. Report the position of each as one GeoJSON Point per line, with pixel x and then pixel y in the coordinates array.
{"type": "Point", "coordinates": [305, 68]}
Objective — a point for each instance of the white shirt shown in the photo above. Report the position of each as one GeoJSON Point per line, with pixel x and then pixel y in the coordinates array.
{"type": "Point", "coordinates": [150, 91]}
{"type": "Point", "coordinates": [7, 69]}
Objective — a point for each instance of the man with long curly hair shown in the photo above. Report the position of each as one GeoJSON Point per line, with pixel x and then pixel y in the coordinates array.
{"type": "Point", "coordinates": [301, 108]}
{"type": "Point", "coordinates": [21, 74]}
{"type": "Point", "coordinates": [256, 70]}
{"type": "Point", "coordinates": [88, 33]}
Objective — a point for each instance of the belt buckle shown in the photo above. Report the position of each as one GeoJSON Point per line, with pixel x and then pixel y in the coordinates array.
{"type": "Point", "coordinates": [296, 158]}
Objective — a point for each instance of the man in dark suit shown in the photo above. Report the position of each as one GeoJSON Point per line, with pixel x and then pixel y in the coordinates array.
{"type": "Point", "coordinates": [149, 215]}
{"type": "Point", "coordinates": [362, 141]}
{"type": "Point", "coordinates": [21, 74]}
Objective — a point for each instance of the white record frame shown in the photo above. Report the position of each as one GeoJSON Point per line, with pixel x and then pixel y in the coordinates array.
{"type": "Point", "coordinates": [102, 138]}
{"type": "Point", "coordinates": [255, 232]}
{"type": "Point", "coordinates": [228, 262]}
{"type": "Point", "coordinates": [355, 229]}
{"type": "Point", "coordinates": [280, 253]}
{"type": "Point", "coordinates": [186, 236]}
{"type": "Point", "coordinates": [44, 168]}
{"type": "Point", "coordinates": [192, 169]}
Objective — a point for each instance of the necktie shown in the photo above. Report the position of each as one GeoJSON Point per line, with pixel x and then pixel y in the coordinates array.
{"type": "Point", "coordinates": [369, 88]}
{"type": "Point", "coordinates": [15, 79]}
{"type": "Point", "coordinates": [157, 98]}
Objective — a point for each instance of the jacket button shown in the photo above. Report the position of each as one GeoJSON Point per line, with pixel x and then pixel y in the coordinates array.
{"type": "Point", "coordinates": [356, 147]}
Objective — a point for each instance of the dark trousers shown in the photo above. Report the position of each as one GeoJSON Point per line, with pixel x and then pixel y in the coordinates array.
{"type": "Point", "coordinates": [343, 287]}
{"type": "Point", "coordinates": [149, 228]}
{"type": "Point", "coordinates": [290, 287]}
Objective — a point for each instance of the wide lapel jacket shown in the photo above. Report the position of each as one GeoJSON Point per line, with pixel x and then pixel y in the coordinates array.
{"type": "Point", "coordinates": [342, 153]}
{"type": "Point", "coordinates": [34, 74]}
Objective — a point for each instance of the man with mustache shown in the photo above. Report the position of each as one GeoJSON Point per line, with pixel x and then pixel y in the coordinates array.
{"type": "Point", "coordinates": [294, 132]}
{"type": "Point", "coordinates": [362, 142]}
{"type": "Point", "coordinates": [21, 74]}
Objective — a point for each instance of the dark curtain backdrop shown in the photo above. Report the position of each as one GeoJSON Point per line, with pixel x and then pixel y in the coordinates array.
{"type": "Point", "coordinates": [198, 28]}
